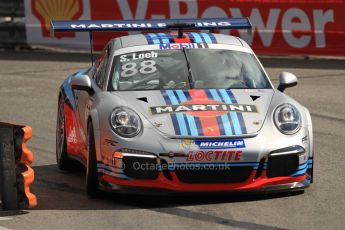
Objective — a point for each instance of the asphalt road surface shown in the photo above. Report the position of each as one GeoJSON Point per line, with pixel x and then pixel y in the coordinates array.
{"type": "Point", "coordinates": [28, 94]}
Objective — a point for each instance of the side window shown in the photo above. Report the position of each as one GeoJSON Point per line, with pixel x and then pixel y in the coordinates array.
{"type": "Point", "coordinates": [101, 68]}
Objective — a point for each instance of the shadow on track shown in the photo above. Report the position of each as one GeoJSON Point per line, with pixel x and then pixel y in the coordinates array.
{"type": "Point", "coordinates": [57, 190]}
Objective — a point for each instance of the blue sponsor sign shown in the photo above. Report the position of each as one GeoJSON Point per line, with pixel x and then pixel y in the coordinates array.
{"type": "Point", "coordinates": [220, 144]}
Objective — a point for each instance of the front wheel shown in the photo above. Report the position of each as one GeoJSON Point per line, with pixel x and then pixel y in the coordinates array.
{"type": "Point", "coordinates": [92, 183]}
{"type": "Point", "coordinates": [61, 146]}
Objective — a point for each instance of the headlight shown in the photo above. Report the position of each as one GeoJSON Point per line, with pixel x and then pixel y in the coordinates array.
{"type": "Point", "coordinates": [287, 119]}
{"type": "Point", "coordinates": [125, 122]}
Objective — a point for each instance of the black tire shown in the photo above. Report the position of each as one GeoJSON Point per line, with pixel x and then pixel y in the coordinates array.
{"type": "Point", "coordinates": [8, 178]}
{"type": "Point", "coordinates": [62, 160]}
{"type": "Point", "coordinates": [92, 183]}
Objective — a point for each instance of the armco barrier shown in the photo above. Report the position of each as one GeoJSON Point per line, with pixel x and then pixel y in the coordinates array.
{"type": "Point", "coordinates": [303, 27]}
{"type": "Point", "coordinates": [16, 175]}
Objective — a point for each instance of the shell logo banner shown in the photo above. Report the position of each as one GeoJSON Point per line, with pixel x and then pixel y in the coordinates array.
{"type": "Point", "coordinates": [46, 10]}
{"type": "Point", "coordinates": [39, 13]}
{"type": "Point", "coordinates": [279, 27]}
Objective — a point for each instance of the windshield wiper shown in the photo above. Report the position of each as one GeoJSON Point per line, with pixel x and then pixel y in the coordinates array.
{"type": "Point", "coordinates": [190, 77]}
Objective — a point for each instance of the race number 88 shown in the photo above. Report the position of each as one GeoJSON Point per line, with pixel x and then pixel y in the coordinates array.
{"type": "Point", "coordinates": [130, 69]}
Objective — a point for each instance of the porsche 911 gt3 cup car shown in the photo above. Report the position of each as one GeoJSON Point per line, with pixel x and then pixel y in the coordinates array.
{"type": "Point", "coordinates": [181, 112]}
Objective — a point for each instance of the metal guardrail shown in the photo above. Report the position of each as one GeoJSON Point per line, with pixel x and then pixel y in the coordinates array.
{"type": "Point", "coordinates": [12, 8]}
{"type": "Point", "coordinates": [12, 34]}
{"type": "Point", "coordinates": [12, 30]}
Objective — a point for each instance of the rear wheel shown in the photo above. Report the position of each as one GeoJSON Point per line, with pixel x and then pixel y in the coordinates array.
{"type": "Point", "coordinates": [61, 146]}
{"type": "Point", "coordinates": [92, 183]}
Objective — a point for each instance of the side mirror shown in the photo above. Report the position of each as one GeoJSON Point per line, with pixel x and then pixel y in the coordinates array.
{"type": "Point", "coordinates": [81, 82]}
{"type": "Point", "coordinates": [286, 80]}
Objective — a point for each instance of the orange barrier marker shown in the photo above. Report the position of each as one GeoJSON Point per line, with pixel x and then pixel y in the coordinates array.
{"type": "Point", "coordinates": [27, 155]}
{"type": "Point", "coordinates": [28, 175]}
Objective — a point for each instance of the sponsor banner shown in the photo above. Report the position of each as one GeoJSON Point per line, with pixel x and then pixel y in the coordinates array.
{"type": "Point", "coordinates": [279, 27]}
{"type": "Point", "coordinates": [39, 13]}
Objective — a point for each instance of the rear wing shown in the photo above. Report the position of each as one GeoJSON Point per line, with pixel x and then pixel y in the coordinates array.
{"type": "Point", "coordinates": [150, 25]}
{"type": "Point", "coordinates": [90, 26]}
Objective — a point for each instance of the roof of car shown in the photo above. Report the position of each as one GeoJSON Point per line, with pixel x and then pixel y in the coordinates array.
{"type": "Point", "coordinates": [166, 38]}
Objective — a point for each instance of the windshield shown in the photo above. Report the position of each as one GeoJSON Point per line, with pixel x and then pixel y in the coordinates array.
{"type": "Point", "coordinates": [187, 69]}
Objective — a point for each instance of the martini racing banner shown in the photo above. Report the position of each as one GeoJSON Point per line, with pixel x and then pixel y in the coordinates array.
{"type": "Point", "coordinates": [306, 27]}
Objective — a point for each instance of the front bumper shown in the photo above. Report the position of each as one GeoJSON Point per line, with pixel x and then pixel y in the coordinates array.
{"type": "Point", "coordinates": [284, 169]}
{"type": "Point", "coordinates": [158, 186]}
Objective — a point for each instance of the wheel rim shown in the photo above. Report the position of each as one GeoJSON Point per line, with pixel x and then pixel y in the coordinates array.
{"type": "Point", "coordinates": [60, 131]}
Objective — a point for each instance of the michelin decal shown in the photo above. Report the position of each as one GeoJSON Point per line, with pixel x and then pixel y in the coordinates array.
{"type": "Point", "coordinates": [212, 144]}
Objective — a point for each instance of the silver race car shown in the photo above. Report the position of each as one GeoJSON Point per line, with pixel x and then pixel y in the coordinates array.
{"type": "Point", "coordinates": [181, 111]}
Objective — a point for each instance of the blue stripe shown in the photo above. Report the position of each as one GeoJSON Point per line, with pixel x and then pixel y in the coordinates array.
{"type": "Point", "coordinates": [234, 118]}
{"type": "Point", "coordinates": [220, 125]}
{"type": "Point", "coordinates": [110, 169]}
{"type": "Point", "coordinates": [173, 116]}
{"type": "Point", "coordinates": [176, 124]}
{"type": "Point", "coordinates": [239, 115]}
{"type": "Point", "coordinates": [113, 172]}
{"type": "Point", "coordinates": [179, 116]}
{"type": "Point", "coordinates": [213, 38]}
{"type": "Point", "coordinates": [148, 38]}
{"type": "Point", "coordinates": [186, 93]}
{"type": "Point", "coordinates": [191, 121]}
{"type": "Point", "coordinates": [225, 119]}
{"type": "Point", "coordinates": [231, 123]}
{"type": "Point", "coordinates": [209, 94]}
{"type": "Point", "coordinates": [197, 38]}
{"type": "Point", "coordinates": [206, 37]}
{"type": "Point", "coordinates": [300, 172]}
{"type": "Point", "coordinates": [199, 126]}
{"type": "Point", "coordinates": [264, 166]}
{"type": "Point", "coordinates": [154, 38]}
{"type": "Point", "coordinates": [164, 38]}
{"type": "Point", "coordinates": [310, 163]}
{"type": "Point", "coordinates": [181, 95]}
{"type": "Point", "coordinates": [302, 169]}
{"type": "Point", "coordinates": [302, 166]}
{"type": "Point", "coordinates": [187, 124]}
{"type": "Point", "coordinates": [177, 97]}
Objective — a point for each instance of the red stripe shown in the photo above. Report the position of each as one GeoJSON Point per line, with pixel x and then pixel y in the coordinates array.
{"type": "Point", "coordinates": [177, 185]}
{"type": "Point", "coordinates": [185, 39]}
{"type": "Point", "coordinates": [209, 124]}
